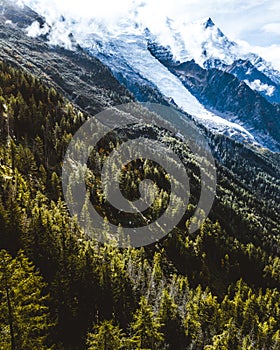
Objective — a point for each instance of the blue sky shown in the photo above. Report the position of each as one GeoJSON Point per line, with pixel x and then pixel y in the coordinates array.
{"type": "Point", "coordinates": [256, 23]}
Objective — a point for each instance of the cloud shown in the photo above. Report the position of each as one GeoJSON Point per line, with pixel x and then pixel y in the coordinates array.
{"type": "Point", "coordinates": [236, 17]}
{"type": "Point", "coordinates": [254, 21]}
{"type": "Point", "coordinates": [270, 53]}
{"type": "Point", "coordinates": [259, 86]}
{"type": "Point", "coordinates": [35, 30]}
{"type": "Point", "coordinates": [105, 9]}
{"type": "Point", "coordinates": [272, 28]}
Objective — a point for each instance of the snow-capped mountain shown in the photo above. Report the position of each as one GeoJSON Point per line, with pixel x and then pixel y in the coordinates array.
{"type": "Point", "coordinates": [207, 45]}
{"type": "Point", "coordinates": [127, 56]}
{"type": "Point", "coordinates": [202, 41]}
{"type": "Point", "coordinates": [192, 65]}
{"type": "Point", "coordinates": [223, 78]}
{"type": "Point", "coordinates": [222, 92]}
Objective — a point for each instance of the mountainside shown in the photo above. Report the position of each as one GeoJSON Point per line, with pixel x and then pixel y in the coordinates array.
{"type": "Point", "coordinates": [215, 288]}
{"type": "Point", "coordinates": [71, 72]}
{"type": "Point", "coordinates": [208, 46]}
{"type": "Point", "coordinates": [227, 96]}
{"type": "Point", "coordinates": [229, 90]}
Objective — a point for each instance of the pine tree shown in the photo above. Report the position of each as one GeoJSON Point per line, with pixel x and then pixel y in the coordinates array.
{"type": "Point", "coordinates": [106, 336]}
{"type": "Point", "coordinates": [170, 319]}
{"type": "Point", "coordinates": [24, 319]}
{"type": "Point", "coordinates": [146, 332]}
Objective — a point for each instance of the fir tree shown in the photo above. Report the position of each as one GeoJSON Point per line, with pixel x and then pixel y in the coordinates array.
{"type": "Point", "coordinates": [146, 327]}
{"type": "Point", "coordinates": [106, 336]}
{"type": "Point", "coordinates": [24, 318]}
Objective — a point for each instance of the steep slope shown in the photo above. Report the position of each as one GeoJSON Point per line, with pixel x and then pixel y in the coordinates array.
{"type": "Point", "coordinates": [131, 51]}
{"type": "Point", "coordinates": [123, 48]}
{"type": "Point", "coordinates": [217, 287]}
{"type": "Point", "coordinates": [91, 86]}
{"type": "Point", "coordinates": [128, 58]}
{"type": "Point", "coordinates": [225, 263]}
{"type": "Point", "coordinates": [225, 94]}
{"type": "Point", "coordinates": [81, 78]}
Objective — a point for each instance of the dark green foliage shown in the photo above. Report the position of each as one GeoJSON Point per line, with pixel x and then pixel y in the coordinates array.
{"type": "Point", "coordinates": [24, 322]}
{"type": "Point", "coordinates": [106, 336]}
{"type": "Point", "coordinates": [145, 328]}
{"type": "Point", "coordinates": [215, 289]}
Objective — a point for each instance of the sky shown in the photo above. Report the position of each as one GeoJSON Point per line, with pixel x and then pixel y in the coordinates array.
{"type": "Point", "coordinates": [254, 23]}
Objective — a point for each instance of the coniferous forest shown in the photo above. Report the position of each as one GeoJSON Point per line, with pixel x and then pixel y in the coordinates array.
{"type": "Point", "coordinates": [216, 289]}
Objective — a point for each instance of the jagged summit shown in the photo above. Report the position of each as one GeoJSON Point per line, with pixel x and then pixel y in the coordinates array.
{"type": "Point", "coordinates": [209, 23]}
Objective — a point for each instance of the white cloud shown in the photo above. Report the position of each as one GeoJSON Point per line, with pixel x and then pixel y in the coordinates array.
{"type": "Point", "coordinates": [86, 9]}
{"type": "Point", "coordinates": [270, 53]}
{"type": "Point", "coordinates": [259, 86]}
{"type": "Point", "coordinates": [255, 21]}
{"type": "Point", "coordinates": [272, 27]}
{"type": "Point", "coordinates": [20, 3]}
{"type": "Point", "coordinates": [35, 30]}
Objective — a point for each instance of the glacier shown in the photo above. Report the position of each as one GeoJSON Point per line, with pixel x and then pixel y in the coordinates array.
{"type": "Point", "coordinates": [130, 50]}
{"type": "Point", "coordinates": [122, 46]}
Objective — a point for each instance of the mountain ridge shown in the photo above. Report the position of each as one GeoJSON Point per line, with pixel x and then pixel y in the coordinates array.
{"type": "Point", "coordinates": [201, 41]}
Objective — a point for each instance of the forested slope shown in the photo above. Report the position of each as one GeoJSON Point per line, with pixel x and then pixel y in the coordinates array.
{"type": "Point", "coordinates": [215, 289]}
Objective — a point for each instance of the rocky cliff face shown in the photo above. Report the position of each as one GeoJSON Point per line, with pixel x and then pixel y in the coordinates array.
{"type": "Point", "coordinates": [244, 70]}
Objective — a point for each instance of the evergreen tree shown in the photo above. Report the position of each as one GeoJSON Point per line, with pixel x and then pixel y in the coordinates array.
{"type": "Point", "coordinates": [170, 319]}
{"type": "Point", "coordinates": [146, 327]}
{"type": "Point", "coordinates": [24, 320]}
{"type": "Point", "coordinates": [106, 336]}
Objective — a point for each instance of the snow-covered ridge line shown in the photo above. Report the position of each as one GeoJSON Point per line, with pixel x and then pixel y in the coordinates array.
{"type": "Point", "coordinates": [132, 50]}
{"type": "Point", "coordinates": [122, 45]}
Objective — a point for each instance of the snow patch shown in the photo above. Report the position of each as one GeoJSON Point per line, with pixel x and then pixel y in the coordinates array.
{"type": "Point", "coordinates": [35, 30]}
{"type": "Point", "coordinates": [257, 85]}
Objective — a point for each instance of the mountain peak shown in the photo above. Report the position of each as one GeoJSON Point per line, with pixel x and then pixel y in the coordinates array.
{"type": "Point", "coordinates": [209, 23]}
